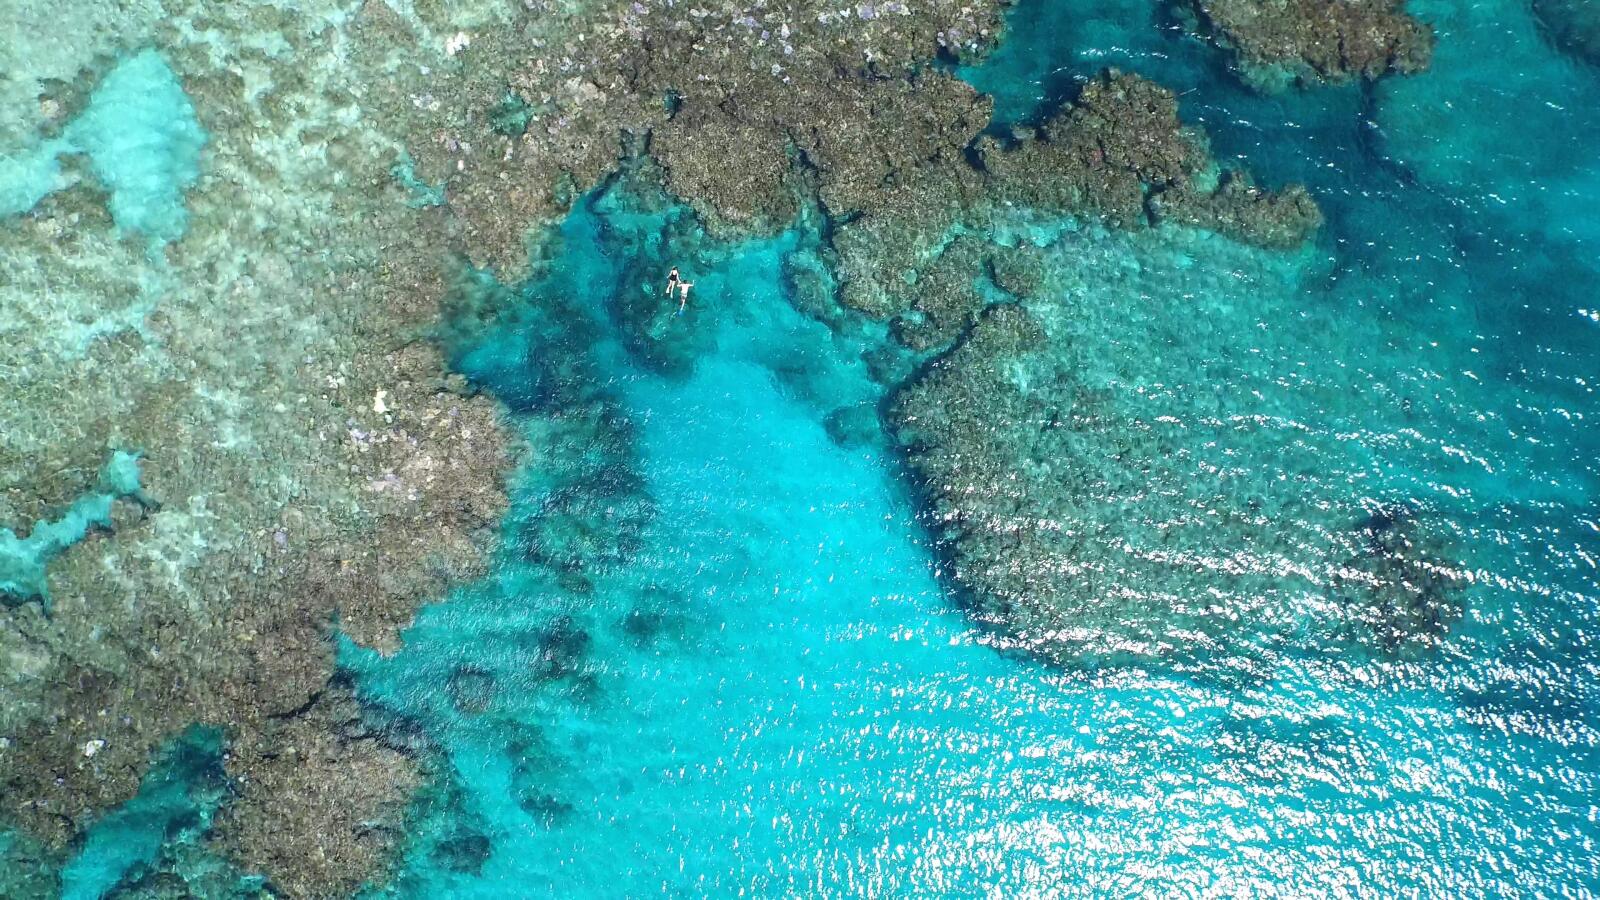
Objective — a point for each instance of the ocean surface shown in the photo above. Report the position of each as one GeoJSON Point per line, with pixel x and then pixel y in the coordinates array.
{"type": "Point", "coordinates": [717, 654]}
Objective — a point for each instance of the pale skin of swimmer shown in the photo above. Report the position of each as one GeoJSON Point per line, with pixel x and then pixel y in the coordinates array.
{"type": "Point", "coordinates": [676, 283]}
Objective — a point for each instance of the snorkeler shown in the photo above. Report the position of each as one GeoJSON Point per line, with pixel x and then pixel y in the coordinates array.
{"type": "Point", "coordinates": [676, 283]}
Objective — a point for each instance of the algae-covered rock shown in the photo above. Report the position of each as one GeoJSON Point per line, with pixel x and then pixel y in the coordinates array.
{"type": "Point", "coordinates": [1277, 41]}
{"type": "Point", "coordinates": [1242, 211]}
{"type": "Point", "coordinates": [318, 798]}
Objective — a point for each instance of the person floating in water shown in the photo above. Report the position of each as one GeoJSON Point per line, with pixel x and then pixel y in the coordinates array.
{"type": "Point", "coordinates": [675, 282]}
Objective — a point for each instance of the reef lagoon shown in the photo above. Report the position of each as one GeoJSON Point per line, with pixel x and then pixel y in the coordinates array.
{"type": "Point", "coordinates": [1110, 448]}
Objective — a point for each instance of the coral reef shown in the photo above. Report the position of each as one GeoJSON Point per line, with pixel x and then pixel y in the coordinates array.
{"type": "Point", "coordinates": [1099, 153]}
{"type": "Point", "coordinates": [319, 835]}
{"type": "Point", "coordinates": [946, 419]}
{"type": "Point", "coordinates": [1064, 486]}
{"type": "Point", "coordinates": [946, 295]}
{"type": "Point", "coordinates": [1277, 42]}
{"type": "Point", "coordinates": [1401, 581]}
{"type": "Point", "coordinates": [305, 463]}
{"type": "Point", "coordinates": [308, 467]}
{"type": "Point", "coordinates": [1573, 25]}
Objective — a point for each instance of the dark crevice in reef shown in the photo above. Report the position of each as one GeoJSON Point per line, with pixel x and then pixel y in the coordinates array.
{"type": "Point", "coordinates": [300, 710]}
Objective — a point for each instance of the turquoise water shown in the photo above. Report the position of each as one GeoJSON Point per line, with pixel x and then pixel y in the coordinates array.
{"type": "Point", "coordinates": [23, 561]}
{"type": "Point", "coordinates": [143, 143]}
{"type": "Point", "coordinates": [717, 653]}
{"type": "Point", "coordinates": [177, 800]}
{"type": "Point", "coordinates": [718, 656]}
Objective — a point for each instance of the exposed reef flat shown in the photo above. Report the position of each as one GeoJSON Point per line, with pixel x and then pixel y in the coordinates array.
{"type": "Point", "coordinates": [1276, 43]}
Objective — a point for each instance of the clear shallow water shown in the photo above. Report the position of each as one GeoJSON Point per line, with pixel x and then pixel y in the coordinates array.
{"type": "Point", "coordinates": [772, 694]}
{"type": "Point", "coordinates": [715, 654]}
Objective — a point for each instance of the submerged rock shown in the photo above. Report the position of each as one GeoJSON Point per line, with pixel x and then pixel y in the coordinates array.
{"type": "Point", "coordinates": [464, 852]}
{"type": "Point", "coordinates": [1401, 584]}
{"type": "Point", "coordinates": [472, 690]}
{"type": "Point", "coordinates": [534, 770]}
{"type": "Point", "coordinates": [1119, 153]}
{"type": "Point", "coordinates": [658, 616]}
{"type": "Point", "coordinates": [564, 646]}
{"type": "Point", "coordinates": [854, 426]}
{"type": "Point", "coordinates": [317, 800]}
{"type": "Point", "coordinates": [1279, 41]}
{"type": "Point", "coordinates": [1573, 25]}
{"type": "Point", "coordinates": [1086, 459]}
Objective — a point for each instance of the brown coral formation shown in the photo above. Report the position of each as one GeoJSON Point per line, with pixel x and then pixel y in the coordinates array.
{"type": "Point", "coordinates": [1318, 40]}
{"type": "Point", "coordinates": [342, 826]}
{"type": "Point", "coordinates": [316, 468]}
{"type": "Point", "coordinates": [1242, 211]}
{"type": "Point", "coordinates": [1119, 153]}
{"type": "Point", "coordinates": [732, 99]}
{"type": "Point", "coordinates": [948, 419]}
